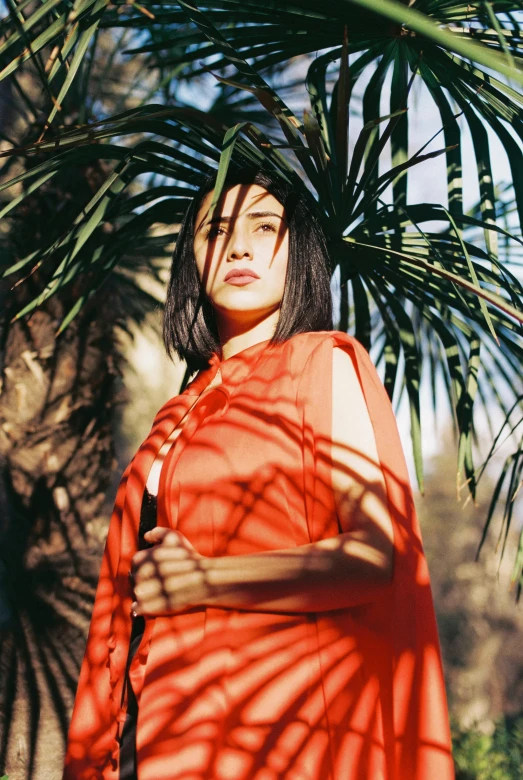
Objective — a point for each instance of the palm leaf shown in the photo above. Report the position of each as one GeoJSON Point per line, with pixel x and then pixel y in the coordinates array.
{"type": "Point", "coordinates": [454, 279]}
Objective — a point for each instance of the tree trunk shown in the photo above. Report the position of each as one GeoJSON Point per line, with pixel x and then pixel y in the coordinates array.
{"type": "Point", "coordinates": [57, 399]}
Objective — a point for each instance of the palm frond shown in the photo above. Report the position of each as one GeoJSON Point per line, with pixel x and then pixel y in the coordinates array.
{"type": "Point", "coordinates": [415, 290]}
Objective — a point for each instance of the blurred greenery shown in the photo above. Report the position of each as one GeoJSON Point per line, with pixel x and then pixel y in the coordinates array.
{"type": "Point", "coordinates": [495, 756]}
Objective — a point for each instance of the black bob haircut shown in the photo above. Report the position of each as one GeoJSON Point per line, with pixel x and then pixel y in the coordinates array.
{"type": "Point", "coordinates": [189, 326]}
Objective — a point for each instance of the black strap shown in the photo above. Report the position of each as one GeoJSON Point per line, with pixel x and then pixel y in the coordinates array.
{"type": "Point", "coordinates": [148, 520]}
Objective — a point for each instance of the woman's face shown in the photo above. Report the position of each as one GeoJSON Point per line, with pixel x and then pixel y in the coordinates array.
{"type": "Point", "coordinates": [248, 232]}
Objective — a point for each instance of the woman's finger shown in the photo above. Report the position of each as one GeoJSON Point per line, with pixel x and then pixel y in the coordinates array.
{"type": "Point", "coordinates": [168, 576]}
{"type": "Point", "coordinates": [157, 534]}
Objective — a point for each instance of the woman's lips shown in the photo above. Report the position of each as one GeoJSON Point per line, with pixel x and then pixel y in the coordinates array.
{"type": "Point", "coordinates": [239, 281]}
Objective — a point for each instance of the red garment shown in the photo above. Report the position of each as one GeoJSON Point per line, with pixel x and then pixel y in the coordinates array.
{"type": "Point", "coordinates": [351, 694]}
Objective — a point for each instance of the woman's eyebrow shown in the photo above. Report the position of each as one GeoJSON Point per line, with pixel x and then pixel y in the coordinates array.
{"type": "Point", "coordinates": [258, 214]}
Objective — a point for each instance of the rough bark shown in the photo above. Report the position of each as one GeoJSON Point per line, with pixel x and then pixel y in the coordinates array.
{"type": "Point", "coordinates": [57, 398]}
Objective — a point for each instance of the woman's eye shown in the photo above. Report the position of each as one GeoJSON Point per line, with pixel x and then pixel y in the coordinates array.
{"type": "Point", "coordinates": [215, 231]}
{"type": "Point", "coordinates": [267, 227]}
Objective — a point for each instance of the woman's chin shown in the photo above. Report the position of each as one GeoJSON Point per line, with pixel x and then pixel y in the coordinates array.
{"type": "Point", "coordinates": [243, 302]}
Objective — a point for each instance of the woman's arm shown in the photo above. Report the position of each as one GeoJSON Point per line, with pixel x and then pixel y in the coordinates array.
{"type": "Point", "coordinates": [349, 569]}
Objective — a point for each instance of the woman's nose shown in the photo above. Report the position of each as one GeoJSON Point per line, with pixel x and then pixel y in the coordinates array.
{"type": "Point", "coordinates": [239, 246]}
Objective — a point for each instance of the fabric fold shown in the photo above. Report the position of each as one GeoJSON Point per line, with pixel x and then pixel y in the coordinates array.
{"type": "Point", "coordinates": [354, 694]}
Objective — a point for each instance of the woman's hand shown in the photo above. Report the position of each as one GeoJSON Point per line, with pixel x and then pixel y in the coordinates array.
{"type": "Point", "coordinates": [169, 577]}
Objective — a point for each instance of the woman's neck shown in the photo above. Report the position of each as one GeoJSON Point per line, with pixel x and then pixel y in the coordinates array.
{"type": "Point", "coordinates": [234, 338]}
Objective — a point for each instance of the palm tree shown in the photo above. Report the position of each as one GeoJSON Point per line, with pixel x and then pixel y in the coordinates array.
{"type": "Point", "coordinates": [57, 412]}
{"type": "Point", "coordinates": [322, 92]}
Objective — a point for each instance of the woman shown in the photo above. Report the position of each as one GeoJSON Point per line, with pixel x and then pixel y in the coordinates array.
{"type": "Point", "coordinates": [278, 622]}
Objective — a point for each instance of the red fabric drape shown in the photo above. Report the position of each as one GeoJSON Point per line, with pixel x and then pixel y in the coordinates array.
{"type": "Point", "coordinates": [354, 694]}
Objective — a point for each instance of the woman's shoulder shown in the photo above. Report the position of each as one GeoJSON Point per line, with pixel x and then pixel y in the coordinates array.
{"type": "Point", "coordinates": [314, 361]}
{"type": "Point", "coordinates": [303, 345]}
{"type": "Point", "coordinates": [310, 355]}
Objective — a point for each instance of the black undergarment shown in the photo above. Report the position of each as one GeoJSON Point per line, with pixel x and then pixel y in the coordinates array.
{"type": "Point", "coordinates": [148, 520]}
